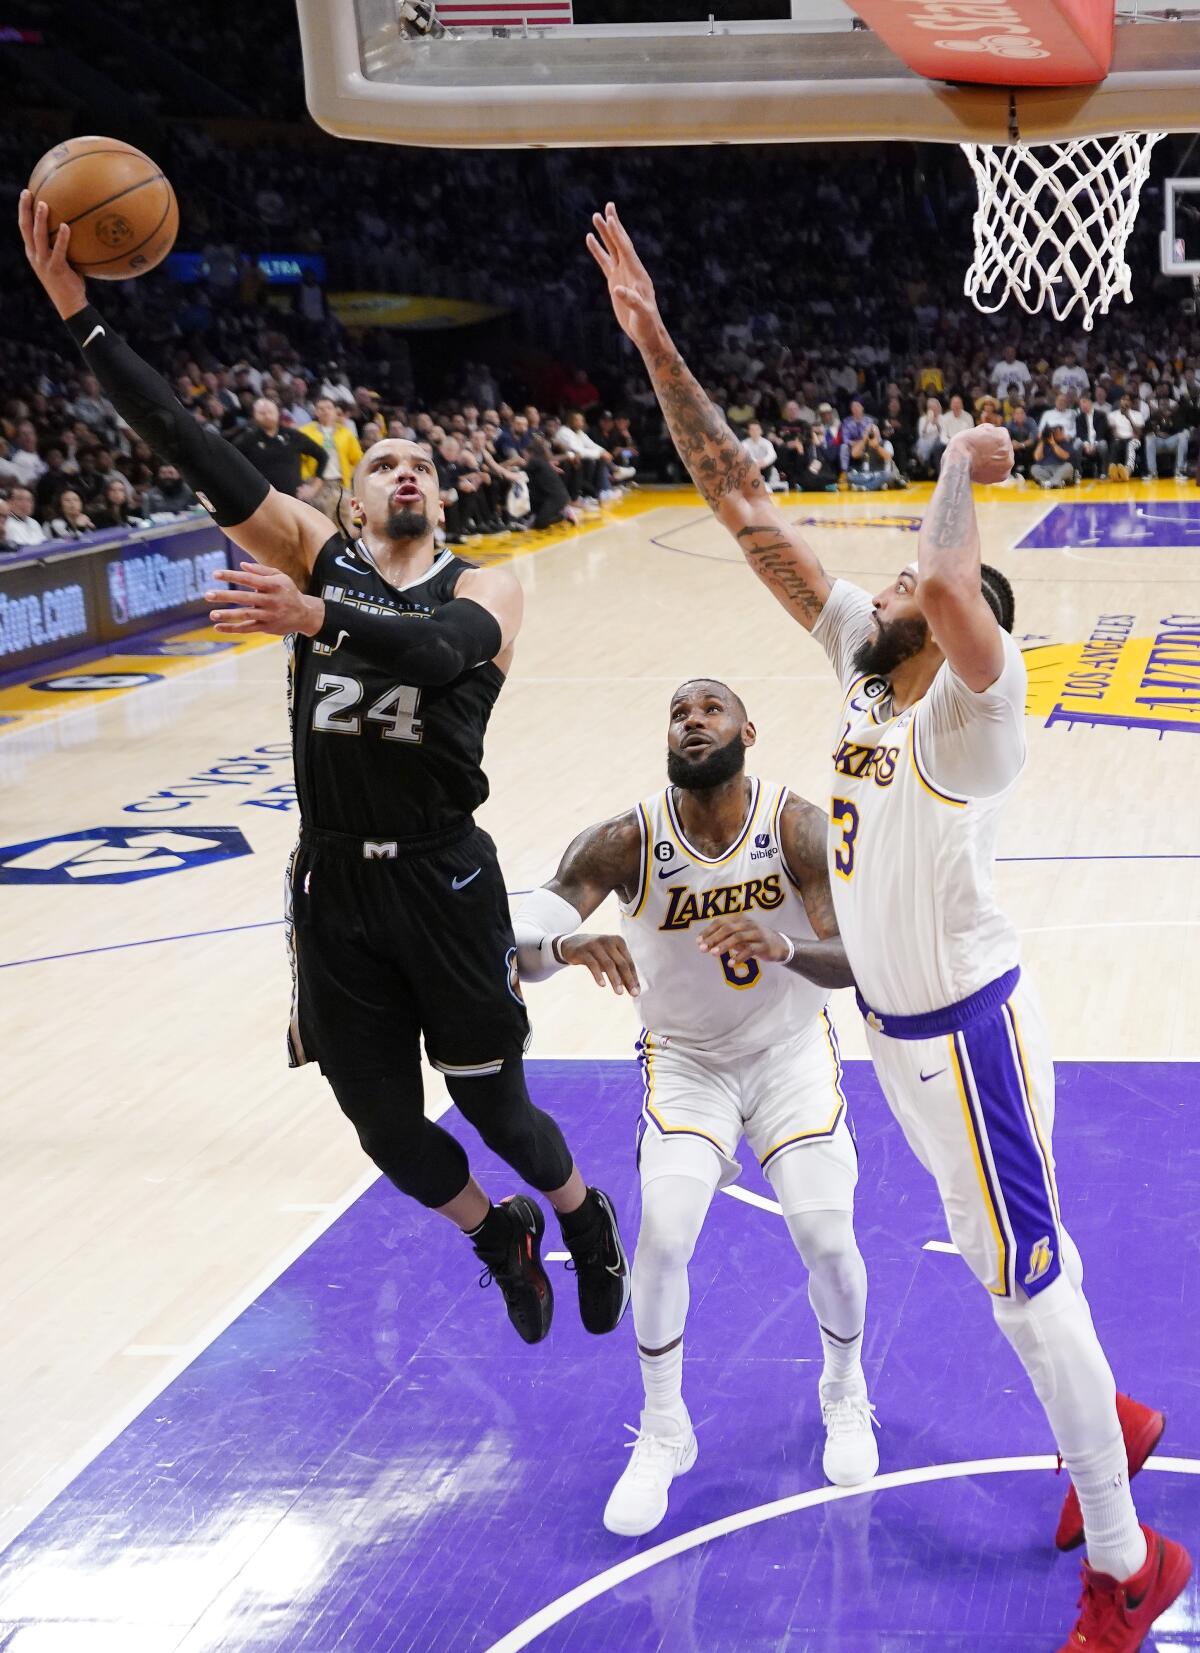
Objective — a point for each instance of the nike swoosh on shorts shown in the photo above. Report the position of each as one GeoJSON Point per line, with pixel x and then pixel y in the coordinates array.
{"type": "Point", "coordinates": [461, 883]}
{"type": "Point", "coordinates": [926, 1077]}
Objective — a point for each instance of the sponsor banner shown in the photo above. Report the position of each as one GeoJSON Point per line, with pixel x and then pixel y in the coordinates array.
{"type": "Point", "coordinates": [63, 602]}
{"type": "Point", "coordinates": [276, 269]}
{"type": "Point", "coordinates": [47, 609]}
{"type": "Point", "coordinates": [409, 310]}
{"type": "Point", "coordinates": [998, 42]}
{"type": "Point", "coordinates": [152, 582]}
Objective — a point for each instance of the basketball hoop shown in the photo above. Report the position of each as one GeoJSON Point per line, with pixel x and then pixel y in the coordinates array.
{"type": "Point", "coordinates": [1054, 220]}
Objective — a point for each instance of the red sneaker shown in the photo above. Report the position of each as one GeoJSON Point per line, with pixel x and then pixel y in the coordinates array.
{"type": "Point", "coordinates": [1142, 1429]}
{"type": "Point", "coordinates": [1115, 1618]}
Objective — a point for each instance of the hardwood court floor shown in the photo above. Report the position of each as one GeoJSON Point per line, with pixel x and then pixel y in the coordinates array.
{"type": "Point", "coordinates": [161, 1163]}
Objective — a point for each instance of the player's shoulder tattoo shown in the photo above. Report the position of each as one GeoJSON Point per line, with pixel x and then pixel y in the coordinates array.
{"type": "Point", "coordinates": [603, 859]}
{"type": "Point", "coordinates": [805, 829]}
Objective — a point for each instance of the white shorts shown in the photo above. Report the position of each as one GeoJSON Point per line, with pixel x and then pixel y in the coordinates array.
{"type": "Point", "coordinates": [977, 1107]}
{"type": "Point", "coordinates": [787, 1101]}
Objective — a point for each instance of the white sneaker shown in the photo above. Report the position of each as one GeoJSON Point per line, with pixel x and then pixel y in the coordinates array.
{"type": "Point", "coordinates": [851, 1455]}
{"type": "Point", "coordinates": [638, 1502]}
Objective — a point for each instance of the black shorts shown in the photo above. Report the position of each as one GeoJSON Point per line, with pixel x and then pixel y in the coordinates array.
{"type": "Point", "coordinates": [394, 940]}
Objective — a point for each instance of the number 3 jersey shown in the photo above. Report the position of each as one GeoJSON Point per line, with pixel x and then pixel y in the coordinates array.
{"type": "Point", "coordinates": [375, 757]}
{"type": "Point", "coordinates": [703, 1001]}
{"type": "Point", "coordinates": [914, 814]}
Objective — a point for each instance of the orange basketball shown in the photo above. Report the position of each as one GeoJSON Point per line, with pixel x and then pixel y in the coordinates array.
{"type": "Point", "coordinates": [122, 211]}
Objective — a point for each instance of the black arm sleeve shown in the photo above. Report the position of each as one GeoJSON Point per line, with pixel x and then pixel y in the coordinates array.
{"type": "Point", "coordinates": [425, 652]}
{"type": "Point", "coordinates": [224, 480]}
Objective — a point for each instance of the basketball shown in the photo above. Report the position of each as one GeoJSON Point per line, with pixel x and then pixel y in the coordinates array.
{"type": "Point", "coordinates": [122, 210]}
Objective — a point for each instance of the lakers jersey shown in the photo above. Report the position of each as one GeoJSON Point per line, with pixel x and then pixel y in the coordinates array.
{"type": "Point", "coordinates": [910, 860]}
{"type": "Point", "coordinates": [700, 1000]}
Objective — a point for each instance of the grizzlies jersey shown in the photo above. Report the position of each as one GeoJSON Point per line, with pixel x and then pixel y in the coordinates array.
{"type": "Point", "coordinates": [914, 813]}
{"type": "Point", "coordinates": [696, 999]}
{"type": "Point", "coordinates": [375, 757]}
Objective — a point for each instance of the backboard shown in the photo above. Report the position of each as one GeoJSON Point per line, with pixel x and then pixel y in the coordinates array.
{"type": "Point", "coordinates": [1180, 247]}
{"type": "Point", "coordinates": [754, 71]}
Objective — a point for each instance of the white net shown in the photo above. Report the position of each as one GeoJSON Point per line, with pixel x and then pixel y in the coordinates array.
{"type": "Point", "coordinates": [1053, 222]}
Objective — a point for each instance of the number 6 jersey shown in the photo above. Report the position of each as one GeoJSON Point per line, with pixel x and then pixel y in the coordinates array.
{"type": "Point", "coordinates": [699, 1000]}
{"type": "Point", "coordinates": [375, 757]}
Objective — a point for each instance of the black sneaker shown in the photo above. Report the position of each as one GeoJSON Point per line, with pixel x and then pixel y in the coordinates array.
{"type": "Point", "coordinates": [518, 1270]}
{"type": "Point", "coordinates": [601, 1269]}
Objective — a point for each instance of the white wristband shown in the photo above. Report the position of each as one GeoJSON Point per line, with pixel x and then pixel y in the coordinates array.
{"type": "Point", "coordinates": [791, 947]}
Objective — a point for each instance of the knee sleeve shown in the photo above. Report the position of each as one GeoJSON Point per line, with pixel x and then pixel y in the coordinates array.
{"type": "Point", "coordinates": [525, 1137]}
{"type": "Point", "coordinates": [837, 1275]}
{"type": "Point", "coordinates": [419, 1157]}
{"type": "Point", "coordinates": [673, 1212]}
{"type": "Point", "coordinates": [822, 1237]}
{"type": "Point", "coordinates": [1056, 1342]}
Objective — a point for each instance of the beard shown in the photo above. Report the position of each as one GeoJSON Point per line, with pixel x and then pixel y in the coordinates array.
{"type": "Point", "coordinates": [879, 655]}
{"type": "Point", "coordinates": [701, 774]}
{"type": "Point", "coordinates": [406, 524]}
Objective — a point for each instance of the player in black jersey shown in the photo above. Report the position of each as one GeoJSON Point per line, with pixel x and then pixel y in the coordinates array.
{"type": "Point", "coordinates": [399, 918]}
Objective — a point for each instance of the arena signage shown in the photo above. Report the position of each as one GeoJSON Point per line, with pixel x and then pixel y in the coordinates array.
{"type": "Point", "coordinates": [117, 854]}
{"type": "Point", "coordinates": [105, 589]}
{"type": "Point", "coordinates": [1041, 42]}
{"type": "Point", "coordinates": [1120, 679]}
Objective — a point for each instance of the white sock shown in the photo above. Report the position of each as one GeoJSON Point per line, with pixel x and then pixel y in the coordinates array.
{"type": "Point", "coordinates": [1056, 1341]}
{"type": "Point", "coordinates": [662, 1380]}
{"type": "Point", "coordinates": [1116, 1544]}
{"type": "Point", "coordinates": [673, 1211]}
{"type": "Point", "coordinates": [843, 1363]}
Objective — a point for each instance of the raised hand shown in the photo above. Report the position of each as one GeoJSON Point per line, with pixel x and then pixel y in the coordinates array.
{"type": "Point", "coordinates": [49, 258]}
{"type": "Point", "coordinates": [629, 283]}
{"type": "Point", "coordinates": [989, 451]}
{"type": "Point", "coordinates": [270, 602]}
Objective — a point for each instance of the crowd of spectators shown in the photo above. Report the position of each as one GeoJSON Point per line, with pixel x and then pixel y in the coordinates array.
{"type": "Point", "coordinates": [833, 334]}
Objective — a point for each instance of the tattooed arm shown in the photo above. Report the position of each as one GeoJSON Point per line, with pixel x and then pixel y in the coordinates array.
{"type": "Point", "coordinates": [731, 484]}
{"type": "Point", "coordinates": [604, 860]}
{"type": "Point", "coordinates": [948, 592]}
{"type": "Point", "coordinates": [803, 832]}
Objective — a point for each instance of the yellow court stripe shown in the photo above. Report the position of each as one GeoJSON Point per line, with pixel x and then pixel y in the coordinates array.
{"type": "Point", "coordinates": [29, 708]}
{"type": "Point", "coordinates": [1001, 1244]}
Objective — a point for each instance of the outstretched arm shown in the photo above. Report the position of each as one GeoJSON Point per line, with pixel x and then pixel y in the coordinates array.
{"type": "Point", "coordinates": [604, 860]}
{"type": "Point", "coordinates": [949, 591]}
{"type": "Point", "coordinates": [730, 482]}
{"type": "Point", "coordinates": [803, 833]}
{"type": "Point", "coordinates": [283, 532]}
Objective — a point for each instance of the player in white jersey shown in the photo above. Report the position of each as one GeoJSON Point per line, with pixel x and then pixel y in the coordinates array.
{"type": "Point", "coordinates": [929, 744]}
{"type": "Point", "coordinates": [716, 865]}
